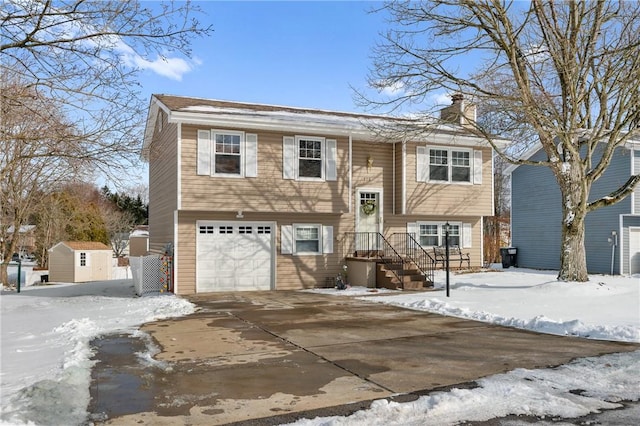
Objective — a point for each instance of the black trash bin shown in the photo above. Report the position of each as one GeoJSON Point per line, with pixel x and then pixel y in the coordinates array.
{"type": "Point", "coordinates": [509, 257]}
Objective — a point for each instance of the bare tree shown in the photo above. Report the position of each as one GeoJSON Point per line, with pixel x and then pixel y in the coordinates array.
{"type": "Point", "coordinates": [70, 100]}
{"type": "Point", "coordinates": [86, 55]}
{"type": "Point", "coordinates": [566, 72]}
{"type": "Point", "coordinates": [119, 225]}
{"type": "Point", "coordinates": [34, 158]}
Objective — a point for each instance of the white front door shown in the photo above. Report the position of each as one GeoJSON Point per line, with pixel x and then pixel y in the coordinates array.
{"type": "Point", "coordinates": [234, 256]}
{"type": "Point", "coordinates": [634, 250]}
{"type": "Point", "coordinates": [369, 219]}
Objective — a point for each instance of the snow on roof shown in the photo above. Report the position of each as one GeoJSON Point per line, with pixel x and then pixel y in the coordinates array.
{"type": "Point", "coordinates": [274, 117]}
{"type": "Point", "coordinates": [23, 229]}
{"type": "Point", "coordinates": [139, 233]}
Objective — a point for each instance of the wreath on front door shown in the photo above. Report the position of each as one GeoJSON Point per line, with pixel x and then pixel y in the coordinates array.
{"type": "Point", "coordinates": [368, 207]}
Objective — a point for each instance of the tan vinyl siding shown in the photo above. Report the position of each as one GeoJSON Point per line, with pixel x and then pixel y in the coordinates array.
{"type": "Point", "coordinates": [449, 199]}
{"type": "Point", "coordinates": [163, 183]}
{"type": "Point", "coordinates": [380, 175]}
{"type": "Point", "coordinates": [398, 178]}
{"type": "Point", "coordinates": [268, 192]}
{"type": "Point", "coordinates": [61, 265]}
{"type": "Point", "coordinates": [398, 224]}
{"type": "Point", "coordinates": [292, 271]}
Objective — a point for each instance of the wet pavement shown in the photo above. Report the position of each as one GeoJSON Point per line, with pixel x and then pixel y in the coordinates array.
{"type": "Point", "coordinates": [273, 357]}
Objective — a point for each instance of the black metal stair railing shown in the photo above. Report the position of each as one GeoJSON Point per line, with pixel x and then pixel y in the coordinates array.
{"type": "Point", "coordinates": [408, 247]}
{"type": "Point", "coordinates": [374, 244]}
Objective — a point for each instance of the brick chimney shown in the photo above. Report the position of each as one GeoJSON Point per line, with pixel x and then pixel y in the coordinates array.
{"type": "Point", "coordinates": [459, 112]}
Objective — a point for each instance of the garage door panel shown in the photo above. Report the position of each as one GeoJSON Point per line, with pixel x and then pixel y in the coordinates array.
{"type": "Point", "coordinates": [234, 256]}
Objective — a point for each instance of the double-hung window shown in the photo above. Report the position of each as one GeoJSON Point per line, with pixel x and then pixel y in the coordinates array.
{"type": "Point", "coordinates": [310, 158]}
{"type": "Point", "coordinates": [433, 234]}
{"type": "Point", "coordinates": [460, 166]}
{"type": "Point", "coordinates": [307, 239]}
{"type": "Point", "coordinates": [429, 235]}
{"type": "Point", "coordinates": [448, 165]}
{"type": "Point", "coordinates": [227, 153]}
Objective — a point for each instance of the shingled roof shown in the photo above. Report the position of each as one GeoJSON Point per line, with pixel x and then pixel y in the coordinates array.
{"type": "Point", "coordinates": [86, 245]}
{"type": "Point", "coordinates": [182, 103]}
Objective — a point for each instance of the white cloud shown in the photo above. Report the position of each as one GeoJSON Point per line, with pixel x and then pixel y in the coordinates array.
{"type": "Point", "coordinates": [392, 89]}
{"type": "Point", "coordinates": [388, 88]}
{"type": "Point", "coordinates": [441, 98]}
{"type": "Point", "coordinates": [173, 68]}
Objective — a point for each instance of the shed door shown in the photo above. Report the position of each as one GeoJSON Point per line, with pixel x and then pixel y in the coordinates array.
{"type": "Point", "coordinates": [234, 256]}
{"type": "Point", "coordinates": [634, 250]}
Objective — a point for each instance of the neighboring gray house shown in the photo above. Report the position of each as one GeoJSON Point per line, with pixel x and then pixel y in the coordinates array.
{"type": "Point", "coordinates": [612, 236]}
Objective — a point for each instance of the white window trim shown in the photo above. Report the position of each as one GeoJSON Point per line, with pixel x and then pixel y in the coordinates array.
{"type": "Point", "coordinates": [449, 165]}
{"type": "Point", "coordinates": [307, 225]}
{"type": "Point", "coordinates": [287, 239]}
{"type": "Point", "coordinates": [440, 225]}
{"type": "Point", "coordinates": [323, 158]}
{"type": "Point", "coordinates": [242, 154]}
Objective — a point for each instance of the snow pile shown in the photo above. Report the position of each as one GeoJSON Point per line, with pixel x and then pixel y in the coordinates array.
{"type": "Point", "coordinates": [606, 307]}
{"type": "Point", "coordinates": [584, 386]}
{"type": "Point", "coordinates": [46, 330]}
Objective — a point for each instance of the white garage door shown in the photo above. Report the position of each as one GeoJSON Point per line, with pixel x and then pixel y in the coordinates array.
{"type": "Point", "coordinates": [234, 256]}
{"type": "Point", "coordinates": [634, 250]}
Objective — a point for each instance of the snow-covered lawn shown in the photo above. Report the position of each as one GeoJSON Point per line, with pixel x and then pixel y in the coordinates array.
{"type": "Point", "coordinates": [46, 333]}
{"type": "Point", "coordinates": [46, 330]}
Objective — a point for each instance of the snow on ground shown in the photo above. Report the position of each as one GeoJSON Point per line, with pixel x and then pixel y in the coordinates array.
{"type": "Point", "coordinates": [606, 307]}
{"type": "Point", "coordinates": [46, 369]}
{"type": "Point", "coordinates": [45, 364]}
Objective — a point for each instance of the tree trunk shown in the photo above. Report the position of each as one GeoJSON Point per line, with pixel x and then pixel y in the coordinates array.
{"type": "Point", "coordinates": [573, 257]}
{"type": "Point", "coordinates": [4, 276]}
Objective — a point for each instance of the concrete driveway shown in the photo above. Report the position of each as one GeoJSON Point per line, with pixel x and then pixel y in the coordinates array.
{"type": "Point", "coordinates": [273, 357]}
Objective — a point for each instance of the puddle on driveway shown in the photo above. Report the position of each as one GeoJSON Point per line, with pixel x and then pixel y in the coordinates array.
{"type": "Point", "coordinates": [119, 383]}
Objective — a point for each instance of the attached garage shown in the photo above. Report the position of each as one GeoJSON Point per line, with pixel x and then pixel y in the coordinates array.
{"type": "Point", "coordinates": [234, 256]}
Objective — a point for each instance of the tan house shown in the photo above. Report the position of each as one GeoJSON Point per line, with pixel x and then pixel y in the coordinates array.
{"type": "Point", "coordinates": [80, 261]}
{"type": "Point", "coordinates": [259, 197]}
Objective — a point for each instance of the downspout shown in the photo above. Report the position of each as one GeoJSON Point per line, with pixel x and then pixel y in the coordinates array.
{"type": "Point", "coordinates": [404, 177]}
{"type": "Point", "coordinates": [393, 181]}
{"type": "Point", "coordinates": [350, 173]}
{"type": "Point", "coordinates": [174, 272]}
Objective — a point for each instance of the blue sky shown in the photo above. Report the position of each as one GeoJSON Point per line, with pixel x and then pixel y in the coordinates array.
{"type": "Point", "coordinates": [288, 53]}
{"type": "Point", "coordinates": [293, 53]}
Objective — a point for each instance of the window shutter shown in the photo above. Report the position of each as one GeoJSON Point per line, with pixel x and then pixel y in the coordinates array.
{"type": "Point", "coordinates": [327, 239]}
{"type": "Point", "coordinates": [288, 158]}
{"type": "Point", "coordinates": [204, 152]}
{"type": "Point", "coordinates": [466, 235]}
{"type": "Point", "coordinates": [286, 239]}
{"type": "Point", "coordinates": [421, 164]}
{"type": "Point", "coordinates": [412, 228]}
{"type": "Point", "coordinates": [477, 167]}
{"type": "Point", "coordinates": [251, 155]}
{"type": "Point", "coordinates": [330, 164]}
